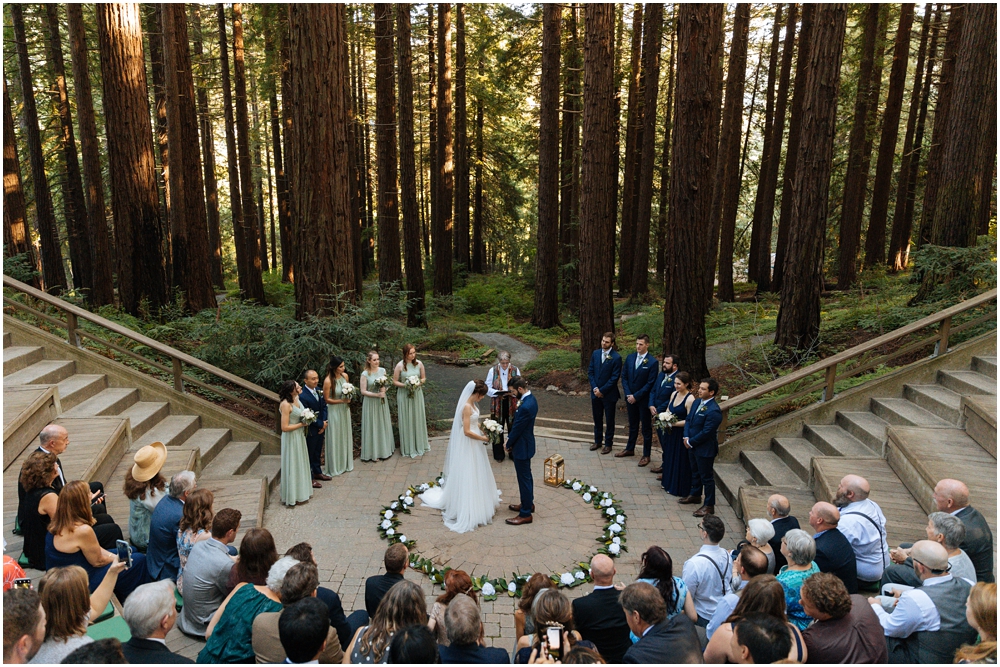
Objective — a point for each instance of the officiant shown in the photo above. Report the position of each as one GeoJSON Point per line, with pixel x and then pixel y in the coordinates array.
{"type": "Point", "coordinates": [502, 401]}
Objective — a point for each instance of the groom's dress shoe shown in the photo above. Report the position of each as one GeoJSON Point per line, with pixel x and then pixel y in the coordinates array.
{"type": "Point", "coordinates": [595, 446]}
{"type": "Point", "coordinates": [518, 520]}
{"type": "Point", "coordinates": [644, 461]}
{"type": "Point", "coordinates": [704, 510]}
{"type": "Point", "coordinates": [606, 450]}
{"type": "Point", "coordinates": [690, 500]}
{"type": "Point", "coordinates": [517, 507]}
{"type": "Point", "coordinates": [625, 452]}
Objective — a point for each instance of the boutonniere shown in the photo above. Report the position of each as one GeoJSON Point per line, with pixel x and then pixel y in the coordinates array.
{"type": "Point", "coordinates": [702, 409]}
{"type": "Point", "coordinates": [645, 362]}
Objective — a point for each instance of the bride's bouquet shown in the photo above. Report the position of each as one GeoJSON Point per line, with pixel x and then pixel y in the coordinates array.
{"type": "Point", "coordinates": [380, 383]}
{"type": "Point", "coordinates": [348, 391]}
{"type": "Point", "coordinates": [308, 416]}
{"type": "Point", "coordinates": [665, 421]}
{"type": "Point", "coordinates": [412, 383]}
{"type": "Point", "coordinates": [494, 431]}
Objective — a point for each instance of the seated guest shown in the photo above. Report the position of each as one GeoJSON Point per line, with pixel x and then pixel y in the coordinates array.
{"type": "Point", "coordinates": [658, 639]}
{"type": "Point", "coordinates": [834, 553]}
{"type": "Point", "coordinates": [778, 509]}
{"type": "Point", "coordinates": [345, 626]}
{"type": "Point", "coordinates": [952, 496]}
{"type": "Point", "coordinates": [707, 573]}
{"type": "Point", "coordinates": [11, 571]}
{"type": "Point", "coordinates": [981, 612]}
{"type": "Point", "coordinates": [928, 624]}
{"type": "Point", "coordinates": [107, 651]}
{"type": "Point", "coordinates": [598, 617]}
{"type": "Point", "coordinates": [581, 655]}
{"type": "Point", "coordinates": [760, 639]}
{"type": "Point", "coordinates": [800, 550]}
{"type": "Point", "coordinates": [23, 625]}
{"type": "Point", "coordinates": [257, 555]}
{"type": "Point", "coordinates": [38, 505]}
{"type": "Point", "coordinates": [863, 524]}
{"type": "Point", "coordinates": [145, 488]}
{"type": "Point", "coordinates": [759, 534]}
{"type": "Point", "coordinates": [657, 569]}
{"type": "Point", "coordinates": [151, 613]}
{"type": "Point", "coordinates": [396, 557]}
{"type": "Point", "coordinates": [208, 567]}
{"type": "Point", "coordinates": [524, 623]}
{"type": "Point", "coordinates": [68, 606]}
{"type": "Point", "coordinates": [550, 609]}
{"type": "Point", "coordinates": [846, 630]}
{"type": "Point", "coordinates": [304, 631]}
{"type": "Point", "coordinates": [414, 645]}
{"type": "Point", "coordinates": [465, 628]}
{"type": "Point", "coordinates": [229, 634]}
{"type": "Point", "coordinates": [455, 582]}
{"type": "Point", "coordinates": [161, 552]}
{"type": "Point", "coordinates": [750, 562]}
{"type": "Point", "coordinates": [299, 583]}
{"type": "Point", "coordinates": [195, 525]}
{"type": "Point", "coordinates": [762, 594]}
{"type": "Point", "coordinates": [71, 541]}
{"type": "Point", "coordinates": [944, 529]}
{"type": "Point", "coordinates": [402, 606]}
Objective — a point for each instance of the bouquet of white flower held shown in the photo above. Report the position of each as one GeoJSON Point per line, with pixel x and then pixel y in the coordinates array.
{"type": "Point", "coordinates": [308, 416]}
{"type": "Point", "coordinates": [665, 421]}
{"type": "Point", "coordinates": [380, 383]}
{"type": "Point", "coordinates": [348, 391]}
{"type": "Point", "coordinates": [494, 431]}
{"type": "Point", "coordinates": [412, 384]}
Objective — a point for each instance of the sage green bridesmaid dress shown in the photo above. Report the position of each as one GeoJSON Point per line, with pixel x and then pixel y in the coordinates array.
{"type": "Point", "coordinates": [412, 418]}
{"type": "Point", "coordinates": [376, 424]}
{"type": "Point", "coordinates": [296, 478]}
{"type": "Point", "coordinates": [339, 438]}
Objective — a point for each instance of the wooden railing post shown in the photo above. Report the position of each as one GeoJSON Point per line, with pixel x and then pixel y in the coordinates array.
{"type": "Point", "coordinates": [942, 345]}
{"type": "Point", "coordinates": [723, 425]}
{"type": "Point", "coordinates": [277, 418]}
{"type": "Point", "coordinates": [831, 380]}
{"type": "Point", "coordinates": [71, 324]}
{"type": "Point", "coordinates": [178, 375]}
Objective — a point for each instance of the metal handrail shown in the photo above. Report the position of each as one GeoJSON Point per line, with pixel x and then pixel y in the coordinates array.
{"type": "Point", "coordinates": [179, 360]}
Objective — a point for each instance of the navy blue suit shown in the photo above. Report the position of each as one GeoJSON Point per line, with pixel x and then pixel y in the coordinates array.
{"type": "Point", "coordinates": [162, 561]}
{"type": "Point", "coordinates": [701, 428]}
{"type": "Point", "coordinates": [314, 439]}
{"type": "Point", "coordinates": [663, 388]}
{"type": "Point", "coordinates": [521, 445]}
{"type": "Point", "coordinates": [638, 382]}
{"type": "Point", "coordinates": [603, 375]}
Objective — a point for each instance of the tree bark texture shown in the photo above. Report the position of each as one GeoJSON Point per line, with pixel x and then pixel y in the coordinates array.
{"type": "Point", "coordinates": [478, 247]}
{"type": "Point", "coordinates": [155, 35]}
{"type": "Point", "coordinates": [569, 186]}
{"type": "Point", "coordinates": [633, 129]}
{"type": "Point", "coordinates": [661, 236]}
{"type": "Point", "coordinates": [280, 178]}
{"type": "Point", "coordinates": [257, 170]}
{"type": "Point", "coordinates": [389, 269]}
{"type": "Point", "coordinates": [445, 158]}
{"type": "Point", "coordinates": [357, 173]}
{"type": "Point", "coordinates": [432, 84]}
{"type": "Point", "coordinates": [462, 249]}
{"type": "Point", "coordinates": [16, 228]}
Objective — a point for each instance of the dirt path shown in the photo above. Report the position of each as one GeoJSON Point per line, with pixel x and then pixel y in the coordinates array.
{"type": "Point", "coordinates": [520, 353]}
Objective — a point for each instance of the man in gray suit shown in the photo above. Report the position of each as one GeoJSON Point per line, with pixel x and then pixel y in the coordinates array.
{"type": "Point", "coordinates": [206, 574]}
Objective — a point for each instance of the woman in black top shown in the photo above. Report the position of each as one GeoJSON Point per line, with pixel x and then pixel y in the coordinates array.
{"type": "Point", "coordinates": [38, 505]}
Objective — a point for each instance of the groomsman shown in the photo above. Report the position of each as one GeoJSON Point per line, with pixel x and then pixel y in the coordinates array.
{"type": "Point", "coordinates": [312, 398]}
{"type": "Point", "coordinates": [667, 382]}
{"type": "Point", "coordinates": [701, 438]}
{"type": "Point", "coordinates": [604, 370]}
{"type": "Point", "coordinates": [638, 375]}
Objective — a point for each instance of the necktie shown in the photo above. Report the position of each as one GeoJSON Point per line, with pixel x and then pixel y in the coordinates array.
{"type": "Point", "coordinates": [638, 360]}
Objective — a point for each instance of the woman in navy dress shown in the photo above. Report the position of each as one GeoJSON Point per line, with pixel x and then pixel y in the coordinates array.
{"type": "Point", "coordinates": [676, 478]}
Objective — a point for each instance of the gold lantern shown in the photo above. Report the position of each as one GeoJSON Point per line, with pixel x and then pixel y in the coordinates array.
{"type": "Point", "coordinates": [555, 470]}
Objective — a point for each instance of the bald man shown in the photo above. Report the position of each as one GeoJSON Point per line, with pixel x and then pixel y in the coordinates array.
{"type": "Point", "coordinates": [598, 617]}
{"type": "Point", "coordinates": [952, 496]}
{"type": "Point", "coordinates": [834, 553]}
{"type": "Point", "coordinates": [863, 524]}
{"type": "Point", "coordinates": [779, 510]}
{"type": "Point", "coordinates": [312, 398]}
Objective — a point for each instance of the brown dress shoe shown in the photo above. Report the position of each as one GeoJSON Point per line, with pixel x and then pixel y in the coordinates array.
{"type": "Point", "coordinates": [657, 469]}
{"type": "Point", "coordinates": [690, 500]}
{"type": "Point", "coordinates": [595, 446]}
{"type": "Point", "coordinates": [704, 510]}
{"type": "Point", "coordinates": [659, 478]}
{"type": "Point", "coordinates": [644, 461]}
{"type": "Point", "coordinates": [517, 507]}
{"type": "Point", "coordinates": [518, 520]}
{"type": "Point", "coordinates": [322, 477]}
{"type": "Point", "coordinates": [606, 450]}
{"type": "Point", "coordinates": [624, 453]}
{"type": "Point", "coordinates": [317, 485]}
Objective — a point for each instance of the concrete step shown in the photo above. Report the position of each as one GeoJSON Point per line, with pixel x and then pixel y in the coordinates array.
{"type": "Point", "coordinates": [79, 387]}
{"type": "Point", "coordinates": [18, 357]}
{"type": "Point", "coordinates": [936, 399]}
{"type": "Point", "coordinates": [767, 469]}
{"type": "Point", "coordinates": [797, 453]}
{"type": "Point", "coordinates": [172, 431]}
{"type": "Point", "coordinates": [980, 413]}
{"type": "Point", "coordinates": [234, 459]}
{"type": "Point", "coordinates": [47, 371]}
{"type": "Point", "coordinates": [901, 412]}
{"type": "Point", "coordinates": [210, 441]}
{"type": "Point", "coordinates": [833, 440]}
{"type": "Point", "coordinates": [7, 339]}
{"type": "Point", "coordinates": [729, 478]}
{"type": "Point", "coordinates": [109, 402]}
{"type": "Point", "coordinates": [866, 427]}
{"type": "Point", "coordinates": [144, 415]}
{"type": "Point", "coordinates": [967, 383]}
{"type": "Point", "coordinates": [985, 365]}
{"type": "Point", "coordinates": [268, 467]}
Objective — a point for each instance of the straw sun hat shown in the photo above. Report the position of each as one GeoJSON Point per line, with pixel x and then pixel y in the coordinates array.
{"type": "Point", "coordinates": [148, 462]}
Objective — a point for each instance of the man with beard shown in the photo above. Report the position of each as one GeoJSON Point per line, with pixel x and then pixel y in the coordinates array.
{"type": "Point", "coordinates": [863, 524]}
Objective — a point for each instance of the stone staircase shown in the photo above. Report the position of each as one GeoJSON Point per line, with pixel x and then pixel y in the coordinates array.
{"type": "Point", "coordinates": [902, 444]}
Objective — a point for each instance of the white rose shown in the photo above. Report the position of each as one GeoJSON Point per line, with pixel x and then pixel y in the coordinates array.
{"type": "Point", "coordinates": [620, 519]}
{"type": "Point", "coordinates": [488, 589]}
{"type": "Point", "coordinates": [605, 503]}
{"type": "Point", "coordinates": [390, 532]}
{"type": "Point", "coordinates": [616, 539]}
{"type": "Point", "coordinates": [587, 497]}
{"type": "Point", "coordinates": [388, 513]}
{"type": "Point", "coordinates": [394, 504]}
{"type": "Point", "coordinates": [402, 538]}
{"type": "Point", "coordinates": [606, 494]}
{"type": "Point", "coordinates": [577, 486]}
{"type": "Point", "coordinates": [512, 587]}
{"type": "Point", "coordinates": [611, 511]}
{"type": "Point", "coordinates": [566, 579]}
{"type": "Point", "coordinates": [408, 501]}
{"type": "Point", "coordinates": [615, 528]}
{"type": "Point", "coordinates": [593, 489]}
{"type": "Point", "coordinates": [386, 524]}
{"type": "Point", "coordinates": [424, 487]}
{"type": "Point", "coordinates": [614, 549]}
{"type": "Point", "coordinates": [402, 497]}
{"type": "Point", "coordinates": [579, 575]}
{"type": "Point", "coordinates": [409, 493]}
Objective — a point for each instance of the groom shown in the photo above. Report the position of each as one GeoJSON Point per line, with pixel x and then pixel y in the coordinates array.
{"type": "Point", "coordinates": [521, 447]}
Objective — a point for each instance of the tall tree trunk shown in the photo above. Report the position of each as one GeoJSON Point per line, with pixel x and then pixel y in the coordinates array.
{"type": "Point", "coordinates": [445, 157]}
{"type": "Point", "coordinates": [727, 184]}
{"type": "Point", "coordinates": [875, 239]}
{"type": "Point", "coordinates": [633, 130]}
{"type": "Point", "coordinates": [131, 165]}
{"type": "Point", "coordinates": [462, 250]}
{"type": "Point", "coordinates": [432, 84]}
{"type": "Point", "coordinates": [902, 216]}
{"type": "Point", "coordinates": [651, 38]}
{"type": "Point", "coordinates": [258, 171]}
{"type": "Point", "coordinates": [693, 166]}
{"type": "Point", "coordinates": [389, 269]}
{"type": "Point", "coordinates": [856, 180]}
{"type": "Point", "coordinates": [661, 224]}
{"type": "Point", "coordinates": [153, 20]}
{"type": "Point", "coordinates": [319, 157]}
{"type": "Point", "coordinates": [232, 160]}
{"type": "Point", "coordinates": [569, 170]}
{"type": "Point", "coordinates": [792, 150]}
{"type": "Point", "coordinates": [16, 228]}
{"type": "Point", "coordinates": [415, 311]}
{"type": "Point", "coordinates": [368, 228]}
{"type": "Point", "coordinates": [598, 179]}
{"type": "Point", "coordinates": [546, 310]}
{"type": "Point", "coordinates": [478, 249]}
{"type": "Point", "coordinates": [280, 178]}
{"type": "Point", "coordinates": [798, 314]}
{"type": "Point", "coordinates": [102, 292]}
{"type": "Point", "coordinates": [357, 174]}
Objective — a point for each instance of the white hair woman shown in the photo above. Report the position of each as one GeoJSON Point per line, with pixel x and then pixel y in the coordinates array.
{"type": "Point", "coordinates": [759, 533]}
{"type": "Point", "coordinates": [799, 548]}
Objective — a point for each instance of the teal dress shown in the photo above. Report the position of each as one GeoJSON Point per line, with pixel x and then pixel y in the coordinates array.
{"type": "Point", "coordinates": [376, 425]}
{"type": "Point", "coordinates": [231, 640]}
{"type": "Point", "coordinates": [412, 417]}
{"type": "Point", "coordinates": [791, 581]}
{"type": "Point", "coordinates": [339, 435]}
{"type": "Point", "coordinates": [296, 478]}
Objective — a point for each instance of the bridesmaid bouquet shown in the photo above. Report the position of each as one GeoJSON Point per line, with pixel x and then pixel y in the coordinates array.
{"type": "Point", "coordinates": [412, 383]}
{"type": "Point", "coordinates": [665, 421]}
{"type": "Point", "coordinates": [494, 431]}
{"type": "Point", "coordinates": [308, 416]}
{"type": "Point", "coordinates": [348, 391]}
{"type": "Point", "coordinates": [380, 383]}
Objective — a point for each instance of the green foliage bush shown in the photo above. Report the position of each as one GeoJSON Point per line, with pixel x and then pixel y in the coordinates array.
{"type": "Point", "coordinates": [19, 267]}
{"type": "Point", "coordinates": [549, 361]}
{"type": "Point", "coordinates": [496, 294]}
{"type": "Point", "coordinates": [949, 275]}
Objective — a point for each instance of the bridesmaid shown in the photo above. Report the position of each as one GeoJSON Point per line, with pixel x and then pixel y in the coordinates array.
{"type": "Point", "coordinates": [339, 435]}
{"type": "Point", "coordinates": [412, 418]}
{"type": "Point", "coordinates": [296, 478]}
{"type": "Point", "coordinates": [376, 425]}
{"type": "Point", "coordinates": [676, 478]}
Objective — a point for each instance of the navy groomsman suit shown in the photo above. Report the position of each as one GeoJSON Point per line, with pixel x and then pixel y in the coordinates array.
{"type": "Point", "coordinates": [603, 375]}
{"type": "Point", "coordinates": [314, 439]}
{"type": "Point", "coordinates": [663, 389]}
{"type": "Point", "coordinates": [701, 429]}
{"type": "Point", "coordinates": [638, 377]}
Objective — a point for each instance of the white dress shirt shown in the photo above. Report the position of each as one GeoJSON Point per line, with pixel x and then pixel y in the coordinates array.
{"type": "Point", "coordinates": [722, 611]}
{"type": "Point", "coordinates": [639, 358]}
{"type": "Point", "coordinates": [702, 578]}
{"type": "Point", "coordinates": [869, 543]}
{"type": "Point", "coordinates": [58, 467]}
{"type": "Point", "coordinates": [504, 377]}
{"type": "Point", "coordinates": [915, 612]}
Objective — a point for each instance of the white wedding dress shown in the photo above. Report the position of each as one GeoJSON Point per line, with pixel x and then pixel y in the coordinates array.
{"type": "Point", "coordinates": [468, 495]}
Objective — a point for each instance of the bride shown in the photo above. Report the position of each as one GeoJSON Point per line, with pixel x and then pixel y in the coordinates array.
{"type": "Point", "coordinates": [468, 494]}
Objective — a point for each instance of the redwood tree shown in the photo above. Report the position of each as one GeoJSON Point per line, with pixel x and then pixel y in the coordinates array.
{"type": "Point", "coordinates": [445, 156]}
{"type": "Point", "coordinates": [633, 129]}
{"type": "Point", "coordinates": [16, 229]}
{"type": "Point", "coordinates": [389, 269]}
{"type": "Point", "coordinates": [462, 248]}
{"type": "Point", "coordinates": [232, 158]}
{"type": "Point", "coordinates": [569, 186]}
